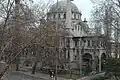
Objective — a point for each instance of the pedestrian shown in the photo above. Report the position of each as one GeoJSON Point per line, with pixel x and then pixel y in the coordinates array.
{"type": "Point", "coordinates": [51, 73]}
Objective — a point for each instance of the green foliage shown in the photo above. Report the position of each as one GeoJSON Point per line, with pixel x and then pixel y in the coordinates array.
{"type": "Point", "coordinates": [112, 65]}
{"type": "Point", "coordinates": [100, 78]}
{"type": "Point", "coordinates": [68, 76]}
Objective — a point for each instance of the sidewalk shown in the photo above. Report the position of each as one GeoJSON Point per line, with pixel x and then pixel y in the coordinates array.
{"type": "Point", "coordinates": [43, 76]}
{"type": "Point", "coordinates": [40, 75]}
{"type": "Point", "coordinates": [92, 77]}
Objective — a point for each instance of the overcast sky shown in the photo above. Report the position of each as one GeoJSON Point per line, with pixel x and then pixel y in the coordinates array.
{"type": "Point", "coordinates": [85, 6]}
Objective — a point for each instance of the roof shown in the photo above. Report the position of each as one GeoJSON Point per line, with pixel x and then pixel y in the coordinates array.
{"type": "Point", "coordinates": [62, 7]}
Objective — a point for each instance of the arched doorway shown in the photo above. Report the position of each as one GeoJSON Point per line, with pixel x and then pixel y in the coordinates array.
{"type": "Point", "coordinates": [87, 63]}
{"type": "Point", "coordinates": [103, 60]}
{"type": "Point", "coordinates": [97, 64]}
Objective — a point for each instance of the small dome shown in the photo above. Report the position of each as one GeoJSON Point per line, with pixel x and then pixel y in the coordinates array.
{"type": "Point", "coordinates": [62, 5]}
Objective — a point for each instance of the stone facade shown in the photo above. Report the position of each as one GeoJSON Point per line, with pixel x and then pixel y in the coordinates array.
{"type": "Point", "coordinates": [79, 49]}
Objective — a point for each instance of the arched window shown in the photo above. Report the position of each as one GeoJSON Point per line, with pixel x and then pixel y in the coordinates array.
{"type": "Point", "coordinates": [75, 27]}
{"type": "Point", "coordinates": [78, 28]}
{"type": "Point", "coordinates": [59, 16]}
{"type": "Point", "coordinates": [76, 43]}
{"type": "Point", "coordinates": [74, 16]}
{"type": "Point", "coordinates": [78, 16]}
{"type": "Point", "coordinates": [64, 15]}
{"type": "Point", "coordinates": [54, 16]}
{"type": "Point", "coordinates": [88, 42]}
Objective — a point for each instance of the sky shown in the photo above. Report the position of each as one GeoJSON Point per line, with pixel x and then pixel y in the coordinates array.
{"type": "Point", "coordinates": [85, 6]}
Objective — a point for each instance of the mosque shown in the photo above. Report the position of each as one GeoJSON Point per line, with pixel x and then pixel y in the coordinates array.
{"type": "Point", "coordinates": [80, 49]}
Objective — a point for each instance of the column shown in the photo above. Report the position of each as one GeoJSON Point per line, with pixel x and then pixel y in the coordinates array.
{"type": "Point", "coordinates": [86, 43]}
{"type": "Point", "coordinates": [99, 61]}
{"type": "Point", "coordinates": [67, 54]}
{"type": "Point", "coordinates": [71, 49]}
{"type": "Point", "coordinates": [93, 64]}
{"type": "Point", "coordinates": [71, 55]}
{"type": "Point", "coordinates": [80, 60]}
{"type": "Point", "coordinates": [99, 64]}
{"type": "Point", "coordinates": [80, 56]}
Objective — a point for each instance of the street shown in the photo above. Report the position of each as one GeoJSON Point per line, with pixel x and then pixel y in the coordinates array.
{"type": "Point", "coordinates": [28, 76]}
{"type": "Point", "coordinates": [40, 76]}
{"type": "Point", "coordinates": [21, 76]}
{"type": "Point", "coordinates": [92, 77]}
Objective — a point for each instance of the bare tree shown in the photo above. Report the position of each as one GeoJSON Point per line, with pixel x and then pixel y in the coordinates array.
{"type": "Point", "coordinates": [18, 24]}
{"type": "Point", "coordinates": [106, 13]}
{"type": "Point", "coordinates": [47, 44]}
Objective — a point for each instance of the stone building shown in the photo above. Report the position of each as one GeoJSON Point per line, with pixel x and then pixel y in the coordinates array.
{"type": "Point", "coordinates": [79, 48]}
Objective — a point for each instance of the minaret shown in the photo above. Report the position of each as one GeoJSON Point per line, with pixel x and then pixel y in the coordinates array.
{"type": "Point", "coordinates": [68, 16]}
{"type": "Point", "coordinates": [68, 29]}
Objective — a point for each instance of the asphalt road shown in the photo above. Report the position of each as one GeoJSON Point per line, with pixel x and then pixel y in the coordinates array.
{"type": "Point", "coordinates": [28, 76]}
{"type": "Point", "coordinates": [21, 76]}
{"type": "Point", "coordinates": [40, 76]}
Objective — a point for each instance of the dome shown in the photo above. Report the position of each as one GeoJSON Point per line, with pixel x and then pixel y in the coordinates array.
{"type": "Point", "coordinates": [62, 7]}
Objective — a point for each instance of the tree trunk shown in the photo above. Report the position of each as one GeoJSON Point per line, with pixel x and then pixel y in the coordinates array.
{"type": "Point", "coordinates": [17, 67]}
{"type": "Point", "coordinates": [16, 34]}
